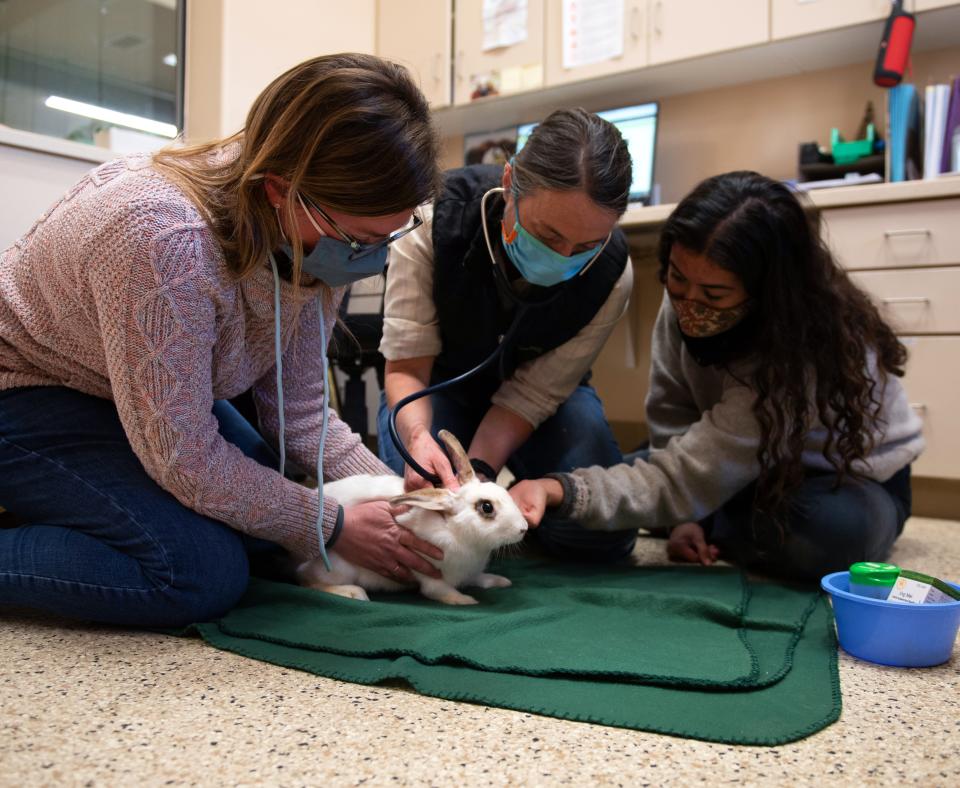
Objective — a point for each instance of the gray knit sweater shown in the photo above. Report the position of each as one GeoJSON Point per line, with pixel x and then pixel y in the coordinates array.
{"type": "Point", "coordinates": [704, 439]}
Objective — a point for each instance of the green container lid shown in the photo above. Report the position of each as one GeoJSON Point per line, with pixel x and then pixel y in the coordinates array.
{"type": "Point", "coordinates": [869, 573]}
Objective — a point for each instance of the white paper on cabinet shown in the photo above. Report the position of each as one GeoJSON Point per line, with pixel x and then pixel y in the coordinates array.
{"type": "Point", "coordinates": [592, 31]}
{"type": "Point", "coordinates": [504, 23]}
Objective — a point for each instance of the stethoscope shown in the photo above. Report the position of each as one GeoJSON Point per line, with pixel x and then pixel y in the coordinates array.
{"type": "Point", "coordinates": [522, 308]}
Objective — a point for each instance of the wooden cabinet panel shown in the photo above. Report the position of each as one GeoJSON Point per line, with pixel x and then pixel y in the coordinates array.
{"type": "Point", "coordinates": [418, 35]}
{"type": "Point", "coordinates": [790, 18]}
{"type": "Point", "coordinates": [895, 235]}
{"type": "Point", "coordinates": [634, 45]}
{"type": "Point", "coordinates": [516, 68]}
{"type": "Point", "coordinates": [932, 383]}
{"type": "Point", "coordinates": [687, 28]}
{"type": "Point", "coordinates": [927, 5]}
{"type": "Point", "coordinates": [923, 301]}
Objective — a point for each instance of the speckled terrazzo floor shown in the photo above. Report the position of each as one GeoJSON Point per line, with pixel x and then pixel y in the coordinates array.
{"type": "Point", "coordinates": [86, 705]}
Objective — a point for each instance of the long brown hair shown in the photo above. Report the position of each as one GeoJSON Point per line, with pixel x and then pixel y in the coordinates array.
{"type": "Point", "coordinates": [817, 332]}
{"type": "Point", "coordinates": [350, 131]}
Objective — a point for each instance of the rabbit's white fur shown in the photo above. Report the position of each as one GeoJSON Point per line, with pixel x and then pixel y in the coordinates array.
{"type": "Point", "coordinates": [453, 521]}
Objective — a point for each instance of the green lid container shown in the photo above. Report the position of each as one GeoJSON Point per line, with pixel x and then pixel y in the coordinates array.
{"type": "Point", "coordinates": [869, 573]}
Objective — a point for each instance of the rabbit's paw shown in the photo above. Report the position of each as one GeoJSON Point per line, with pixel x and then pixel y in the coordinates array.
{"type": "Point", "coordinates": [456, 598]}
{"type": "Point", "coordinates": [444, 592]}
{"type": "Point", "coordinates": [351, 592]}
{"type": "Point", "coordinates": [484, 580]}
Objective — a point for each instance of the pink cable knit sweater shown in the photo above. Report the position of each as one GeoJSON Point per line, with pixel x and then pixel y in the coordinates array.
{"type": "Point", "coordinates": [121, 291]}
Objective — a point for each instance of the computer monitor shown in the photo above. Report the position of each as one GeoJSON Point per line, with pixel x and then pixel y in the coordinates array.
{"type": "Point", "coordinates": [638, 125]}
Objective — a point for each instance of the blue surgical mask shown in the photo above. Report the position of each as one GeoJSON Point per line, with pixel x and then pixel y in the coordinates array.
{"type": "Point", "coordinates": [331, 261]}
{"type": "Point", "coordinates": [537, 262]}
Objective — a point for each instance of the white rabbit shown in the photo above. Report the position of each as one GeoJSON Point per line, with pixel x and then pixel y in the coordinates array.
{"type": "Point", "coordinates": [467, 525]}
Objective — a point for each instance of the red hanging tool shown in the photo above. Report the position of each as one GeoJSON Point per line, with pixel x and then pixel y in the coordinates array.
{"type": "Point", "coordinates": [894, 54]}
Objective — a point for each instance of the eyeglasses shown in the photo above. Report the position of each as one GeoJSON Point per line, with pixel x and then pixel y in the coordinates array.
{"type": "Point", "coordinates": [361, 249]}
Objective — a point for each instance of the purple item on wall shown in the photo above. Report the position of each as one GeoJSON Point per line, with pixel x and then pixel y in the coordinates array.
{"type": "Point", "coordinates": [953, 120]}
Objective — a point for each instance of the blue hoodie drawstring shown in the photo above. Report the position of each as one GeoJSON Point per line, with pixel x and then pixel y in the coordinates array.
{"type": "Point", "coordinates": [326, 399]}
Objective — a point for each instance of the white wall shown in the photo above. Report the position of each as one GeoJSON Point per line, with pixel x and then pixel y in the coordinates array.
{"type": "Point", "coordinates": [261, 40]}
{"type": "Point", "coordinates": [236, 47]}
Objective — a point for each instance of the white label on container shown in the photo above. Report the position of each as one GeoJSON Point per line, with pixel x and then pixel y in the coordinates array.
{"type": "Point", "coordinates": [906, 590]}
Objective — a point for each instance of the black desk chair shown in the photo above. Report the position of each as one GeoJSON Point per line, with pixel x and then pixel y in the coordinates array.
{"type": "Point", "coordinates": [355, 349]}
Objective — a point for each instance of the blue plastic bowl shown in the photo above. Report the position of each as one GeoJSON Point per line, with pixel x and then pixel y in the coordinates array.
{"type": "Point", "coordinates": [892, 633]}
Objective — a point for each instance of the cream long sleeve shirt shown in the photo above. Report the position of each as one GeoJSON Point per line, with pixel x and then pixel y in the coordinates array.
{"type": "Point", "coordinates": [536, 389]}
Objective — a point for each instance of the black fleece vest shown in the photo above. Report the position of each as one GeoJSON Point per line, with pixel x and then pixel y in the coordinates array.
{"type": "Point", "coordinates": [472, 313]}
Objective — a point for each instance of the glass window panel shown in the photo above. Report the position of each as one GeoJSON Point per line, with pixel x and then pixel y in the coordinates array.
{"type": "Point", "coordinates": [65, 65]}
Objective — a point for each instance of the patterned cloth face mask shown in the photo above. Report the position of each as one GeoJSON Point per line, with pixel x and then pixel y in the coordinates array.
{"type": "Point", "coordinates": [699, 320]}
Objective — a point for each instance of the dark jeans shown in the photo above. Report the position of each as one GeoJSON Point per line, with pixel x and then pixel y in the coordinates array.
{"type": "Point", "coordinates": [96, 538]}
{"type": "Point", "coordinates": [825, 527]}
{"type": "Point", "coordinates": [576, 436]}
{"type": "Point", "coordinates": [821, 528]}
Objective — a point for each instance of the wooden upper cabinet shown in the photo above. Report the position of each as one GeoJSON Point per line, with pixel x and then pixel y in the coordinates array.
{"type": "Point", "coordinates": [511, 69]}
{"type": "Point", "coordinates": [790, 18]}
{"type": "Point", "coordinates": [927, 5]}
{"type": "Point", "coordinates": [418, 36]}
{"type": "Point", "coordinates": [682, 29]}
{"type": "Point", "coordinates": [634, 45]}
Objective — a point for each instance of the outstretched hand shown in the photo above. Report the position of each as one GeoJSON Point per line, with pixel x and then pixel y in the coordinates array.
{"type": "Point", "coordinates": [533, 496]}
{"type": "Point", "coordinates": [688, 544]}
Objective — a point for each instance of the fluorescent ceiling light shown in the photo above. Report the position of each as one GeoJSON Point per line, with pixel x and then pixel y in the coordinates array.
{"type": "Point", "coordinates": [112, 116]}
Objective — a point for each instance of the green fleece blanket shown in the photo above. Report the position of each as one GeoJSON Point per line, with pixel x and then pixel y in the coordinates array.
{"type": "Point", "coordinates": [680, 650]}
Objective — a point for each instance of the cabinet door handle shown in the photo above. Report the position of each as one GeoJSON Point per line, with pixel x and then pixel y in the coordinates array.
{"type": "Point", "coordinates": [458, 65]}
{"type": "Point", "coordinates": [658, 18]}
{"type": "Point", "coordinates": [900, 233]}
{"type": "Point", "coordinates": [437, 64]}
{"type": "Point", "coordinates": [906, 300]}
{"type": "Point", "coordinates": [919, 407]}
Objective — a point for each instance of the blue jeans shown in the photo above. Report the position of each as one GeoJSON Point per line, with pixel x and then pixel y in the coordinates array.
{"type": "Point", "coordinates": [95, 537]}
{"type": "Point", "coordinates": [822, 527]}
{"type": "Point", "coordinates": [576, 436]}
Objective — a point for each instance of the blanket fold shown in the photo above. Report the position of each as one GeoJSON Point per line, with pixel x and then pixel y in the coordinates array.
{"type": "Point", "coordinates": [688, 651]}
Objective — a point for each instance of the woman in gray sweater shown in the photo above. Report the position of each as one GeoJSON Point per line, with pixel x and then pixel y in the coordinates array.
{"type": "Point", "coordinates": [780, 434]}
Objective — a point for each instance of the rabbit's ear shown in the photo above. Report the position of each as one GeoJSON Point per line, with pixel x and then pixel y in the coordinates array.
{"type": "Point", "coordinates": [461, 463]}
{"type": "Point", "coordinates": [439, 499]}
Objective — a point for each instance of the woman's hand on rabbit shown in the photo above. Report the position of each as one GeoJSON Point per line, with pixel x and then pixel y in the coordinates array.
{"type": "Point", "coordinates": [688, 544]}
{"type": "Point", "coordinates": [533, 496]}
{"type": "Point", "coordinates": [373, 539]}
{"type": "Point", "coordinates": [426, 451]}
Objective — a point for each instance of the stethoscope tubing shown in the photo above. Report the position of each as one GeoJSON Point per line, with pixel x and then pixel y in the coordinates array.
{"type": "Point", "coordinates": [445, 384]}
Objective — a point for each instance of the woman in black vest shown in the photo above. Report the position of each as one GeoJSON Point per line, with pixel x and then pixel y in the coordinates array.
{"type": "Point", "coordinates": [534, 241]}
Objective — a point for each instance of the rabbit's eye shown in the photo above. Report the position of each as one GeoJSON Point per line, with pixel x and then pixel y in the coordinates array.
{"type": "Point", "coordinates": [486, 508]}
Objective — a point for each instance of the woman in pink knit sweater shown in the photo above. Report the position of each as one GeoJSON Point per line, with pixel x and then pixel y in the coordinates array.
{"type": "Point", "coordinates": [147, 297]}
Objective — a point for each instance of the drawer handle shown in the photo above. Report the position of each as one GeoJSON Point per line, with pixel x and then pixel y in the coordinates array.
{"type": "Point", "coordinates": [919, 407]}
{"type": "Point", "coordinates": [901, 233]}
{"type": "Point", "coordinates": [906, 300]}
